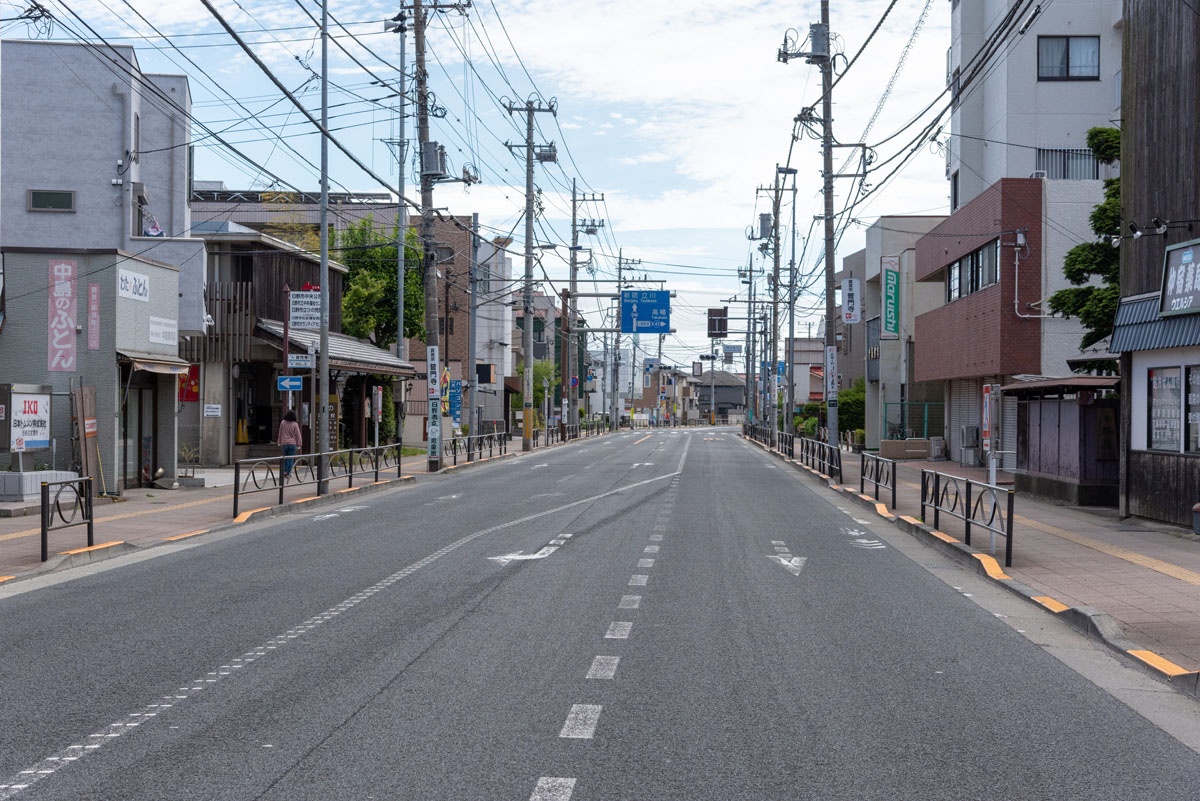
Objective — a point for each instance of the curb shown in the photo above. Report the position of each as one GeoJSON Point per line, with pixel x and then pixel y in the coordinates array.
{"type": "Point", "coordinates": [1092, 622]}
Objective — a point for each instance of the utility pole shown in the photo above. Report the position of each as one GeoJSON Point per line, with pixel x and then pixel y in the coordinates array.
{"type": "Point", "coordinates": [790, 416]}
{"type": "Point", "coordinates": [590, 226]}
{"type": "Point", "coordinates": [398, 24]}
{"type": "Point", "coordinates": [547, 153]}
{"type": "Point", "coordinates": [821, 56]}
{"type": "Point", "coordinates": [432, 356]}
{"type": "Point", "coordinates": [323, 358]}
{"type": "Point", "coordinates": [473, 374]}
{"type": "Point", "coordinates": [773, 403]}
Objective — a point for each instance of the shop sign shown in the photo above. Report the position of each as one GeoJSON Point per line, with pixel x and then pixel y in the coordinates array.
{"type": "Point", "coordinates": [63, 305]}
{"type": "Point", "coordinates": [1181, 279]}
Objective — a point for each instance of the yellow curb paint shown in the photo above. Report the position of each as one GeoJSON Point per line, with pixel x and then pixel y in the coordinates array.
{"type": "Point", "coordinates": [992, 567]}
{"type": "Point", "coordinates": [643, 439]}
{"type": "Point", "coordinates": [6, 578]}
{"type": "Point", "coordinates": [304, 500]}
{"type": "Point", "coordinates": [1051, 604]}
{"type": "Point", "coordinates": [943, 536]}
{"type": "Point", "coordinates": [29, 532]}
{"type": "Point", "coordinates": [882, 510]}
{"type": "Point", "coordinates": [1159, 663]}
{"type": "Point", "coordinates": [185, 536]}
{"type": "Point", "coordinates": [865, 497]}
{"type": "Point", "coordinates": [94, 547]}
{"type": "Point", "coordinates": [244, 516]}
{"type": "Point", "coordinates": [912, 520]}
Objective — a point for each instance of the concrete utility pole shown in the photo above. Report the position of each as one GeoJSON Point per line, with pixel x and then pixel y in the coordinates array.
{"type": "Point", "coordinates": [429, 264]}
{"type": "Point", "coordinates": [831, 366]}
{"type": "Point", "coordinates": [591, 226]}
{"type": "Point", "coordinates": [473, 374]}
{"type": "Point", "coordinates": [773, 372]}
{"type": "Point", "coordinates": [790, 417]}
{"type": "Point", "coordinates": [616, 420]}
{"type": "Point", "coordinates": [530, 107]}
{"type": "Point", "coordinates": [398, 25]}
{"type": "Point", "coordinates": [323, 358]}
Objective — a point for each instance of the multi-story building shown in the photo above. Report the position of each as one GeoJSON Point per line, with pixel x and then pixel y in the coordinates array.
{"type": "Point", "coordinates": [1157, 328]}
{"type": "Point", "coordinates": [1022, 185]}
{"type": "Point", "coordinates": [852, 347]}
{"type": "Point", "coordinates": [95, 231]}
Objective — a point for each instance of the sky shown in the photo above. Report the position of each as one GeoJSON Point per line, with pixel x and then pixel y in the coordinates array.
{"type": "Point", "coordinates": [677, 113]}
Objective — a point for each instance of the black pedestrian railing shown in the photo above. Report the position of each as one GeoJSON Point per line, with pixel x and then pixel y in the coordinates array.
{"type": "Point", "coordinates": [879, 472]}
{"type": "Point", "coordinates": [276, 473]}
{"type": "Point", "coordinates": [975, 503]}
{"type": "Point", "coordinates": [66, 504]}
{"type": "Point", "coordinates": [787, 444]}
{"type": "Point", "coordinates": [821, 456]}
{"type": "Point", "coordinates": [475, 447]}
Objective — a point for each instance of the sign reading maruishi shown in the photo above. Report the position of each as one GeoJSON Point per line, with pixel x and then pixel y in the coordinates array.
{"type": "Point", "coordinates": [1181, 279]}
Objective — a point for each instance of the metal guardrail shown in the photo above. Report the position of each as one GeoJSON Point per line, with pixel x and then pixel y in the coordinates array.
{"type": "Point", "coordinates": [975, 503]}
{"type": "Point", "coordinates": [81, 504]}
{"type": "Point", "coordinates": [787, 444]}
{"type": "Point", "coordinates": [822, 456]}
{"type": "Point", "coordinates": [474, 446]}
{"type": "Point", "coordinates": [879, 472]}
{"type": "Point", "coordinates": [268, 474]}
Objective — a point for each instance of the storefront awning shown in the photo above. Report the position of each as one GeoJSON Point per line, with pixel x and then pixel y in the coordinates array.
{"type": "Point", "coordinates": [153, 362]}
{"type": "Point", "coordinates": [1139, 327]}
{"type": "Point", "coordinates": [1069, 384]}
{"type": "Point", "coordinates": [345, 352]}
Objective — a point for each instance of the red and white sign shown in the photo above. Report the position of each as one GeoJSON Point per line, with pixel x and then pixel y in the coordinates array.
{"type": "Point", "coordinates": [89, 427]}
{"type": "Point", "coordinates": [93, 317]}
{"type": "Point", "coordinates": [377, 402]}
{"type": "Point", "coordinates": [986, 429]}
{"type": "Point", "coordinates": [61, 316]}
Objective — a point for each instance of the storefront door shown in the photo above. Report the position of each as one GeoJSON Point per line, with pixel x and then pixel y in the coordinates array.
{"type": "Point", "coordinates": [139, 436]}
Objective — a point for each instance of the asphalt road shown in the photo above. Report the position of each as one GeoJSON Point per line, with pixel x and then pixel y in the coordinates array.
{"type": "Point", "coordinates": [697, 623]}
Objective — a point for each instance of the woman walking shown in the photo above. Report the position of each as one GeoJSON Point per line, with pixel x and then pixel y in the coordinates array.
{"type": "Point", "coordinates": [289, 440]}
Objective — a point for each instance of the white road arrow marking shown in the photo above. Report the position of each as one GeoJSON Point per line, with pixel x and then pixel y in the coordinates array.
{"type": "Point", "coordinates": [512, 557]}
{"type": "Point", "coordinates": [319, 518]}
{"type": "Point", "coordinates": [536, 466]}
{"type": "Point", "coordinates": [793, 564]}
{"type": "Point", "coordinates": [865, 543]}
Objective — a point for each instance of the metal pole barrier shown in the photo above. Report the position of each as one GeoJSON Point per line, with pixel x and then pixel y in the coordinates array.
{"type": "Point", "coordinates": [967, 514]}
{"type": "Point", "coordinates": [377, 455]}
{"type": "Point", "coordinates": [237, 485]}
{"type": "Point", "coordinates": [1009, 538]}
{"type": "Point", "coordinates": [895, 479]}
{"type": "Point", "coordinates": [937, 500]}
{"type": "Point", "coordinates": [862, 472]}
{"type": "Point", "coordinates": [91, 513]}
{"type": "Point", "coordinates": [281, 480]}
{"type": "Point", "coordinates": [45, 521]}
{"type": "Point", "coordinates": [350, 471]}
{"type": "Point", "coordinates": [924, 477]}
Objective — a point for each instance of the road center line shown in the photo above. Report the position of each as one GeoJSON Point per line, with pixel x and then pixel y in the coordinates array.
{"type": "Point", "coordinates": [618, 630]}
{"type": "Point", "coordinates": [645, 563]}
{"type": "Point", "coordinates": [638, 580]}
{"type": "Point", "coordinates": [550, 788]}
{"type": "Point", "coordinates": [630, 602]}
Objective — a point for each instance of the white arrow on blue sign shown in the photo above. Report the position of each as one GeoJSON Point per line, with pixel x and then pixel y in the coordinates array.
{"type": "Point", "coordinates": [289, 383]}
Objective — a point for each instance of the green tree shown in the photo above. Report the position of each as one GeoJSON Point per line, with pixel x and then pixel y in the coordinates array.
{"type": "Point", "coordinates": [852, 406]}
{"type": "Point", "coordinates": [543, 369]}
{"type": "Point", "coordinates": [369, 300]}
{"type": "Point", "coordinates": [1095, 304]}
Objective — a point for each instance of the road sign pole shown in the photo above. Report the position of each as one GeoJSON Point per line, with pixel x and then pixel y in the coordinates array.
{"type": "Point", "coordinates": [287, 320]}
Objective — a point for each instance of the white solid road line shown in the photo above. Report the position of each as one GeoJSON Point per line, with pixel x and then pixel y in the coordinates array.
{"type": "Point", "coordinates": [581, 722]}
{"type": "Point", "coordinates": [553, 789]}
{"type": "Point", "coordinates": [638, 580]}
{"type": "Point", "coordinates": [630, 602]}
{"type": "Point", "coordinates": [603, 667]}
{"type": "Point", "coordinates": [618, 630]}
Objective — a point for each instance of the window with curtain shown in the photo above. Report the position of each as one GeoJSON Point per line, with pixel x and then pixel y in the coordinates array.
{"type": "Point", "coordinates": [1068, 58]}
{"type": "Point", "coordinates": [1166, 409]}
{"type": "Point", "coordinates": [1071, 164]}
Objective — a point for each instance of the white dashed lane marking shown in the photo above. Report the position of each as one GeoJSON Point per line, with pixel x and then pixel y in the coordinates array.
{"type": "Point", "coordinates": [656, 537]}
{"type": "Point", "coordinates": [553, 789]}
{"type": "Point", "coordinates": [645, 563]}
{"type": "Point", "coordinates": [603, 667]}
{"type": "Point", "coordinates": [581, 722]}
{"type": "Point", "coordinates": [630, 602]}
{"type": "Point", "coordinates": [618, 630]}
{"type": "Point", "coordinates": [638, 580]}
{"type": "Point", "coordinates": [650, 549]}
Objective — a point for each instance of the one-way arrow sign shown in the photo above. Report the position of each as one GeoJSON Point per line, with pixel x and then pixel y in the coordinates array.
{"type": "Point", "coordinates": [511, 557]}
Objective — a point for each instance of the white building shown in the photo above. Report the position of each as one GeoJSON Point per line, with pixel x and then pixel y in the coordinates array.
{"type": "Point", "coordinates": [494, 328]}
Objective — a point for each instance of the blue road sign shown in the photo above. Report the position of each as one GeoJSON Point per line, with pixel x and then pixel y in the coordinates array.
{"type": "Point", "coordinates": [289, 383]}
{"type": "Point", "coordinates": [645, 312]}
{"type": "Point", "coordinates": [456, 401]}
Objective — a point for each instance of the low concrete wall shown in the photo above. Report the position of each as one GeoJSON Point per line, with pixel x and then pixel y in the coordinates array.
{"type": "Point", "coordinates": [27, 486]}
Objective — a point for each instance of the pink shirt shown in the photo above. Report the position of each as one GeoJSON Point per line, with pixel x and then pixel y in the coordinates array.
{"type": "Point", "coordinates": [289, 433]}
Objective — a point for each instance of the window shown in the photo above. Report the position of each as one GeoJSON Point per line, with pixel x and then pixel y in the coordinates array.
{"type": "Point", "coordinates": [954, 87]}
{"type": "Point", "coordinates": [1192, 445]}
{"type": "Point", "coordinates": [953, 287]}
{"type": "Point", "coordinates": [1071, 164]}
{"type": "Point", "coordinates": [954, 191]}
{"type": "Point", "coordinates": [50, 200]}
{"type": "Point", "coordinates": [137, 138]}
{"type": "Point", "coordinates": [1068, 58]}
{"type": "Point", "coordinates": [1165, 408]}
{"type": "Point", "coordinates": [446, 327]}
{"type": "Point", "coordinates": [978, 270]}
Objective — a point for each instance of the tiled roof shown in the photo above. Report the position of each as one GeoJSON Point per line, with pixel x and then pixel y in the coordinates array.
{"type": "Point", "coordinates": [345, 352]}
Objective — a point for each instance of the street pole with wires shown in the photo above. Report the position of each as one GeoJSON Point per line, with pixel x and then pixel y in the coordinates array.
{"type": "Point", "coordinates": [831, 366]}
{"type": "Point", "coordinates": [530, 107]}
{"type": "Point", "coordinates": [789, 417]}
{"type": "Point", "coordinates": [323, 358]}
{"type": "Point", "coordinates": [397, 24]}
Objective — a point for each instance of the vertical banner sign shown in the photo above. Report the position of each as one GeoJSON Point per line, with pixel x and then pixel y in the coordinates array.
{"type": "Point", "coordinates": [60, 332]}
{"type": "Point", "coordinates": [377, 403]}
{"type": "Point", "coordinates": [434, 419]}
{"type": "Point", "coordinates": [831, 375]}
{"type": "Point", "coordinates": [93, 317]}
{"type": "Point", "coordinates": [851, 301]}
{"type": "Point", "coordinates": [889, 325]}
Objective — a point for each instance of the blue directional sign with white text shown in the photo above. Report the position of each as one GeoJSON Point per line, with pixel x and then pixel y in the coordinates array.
{"type": "Point", "coordinates": [645, 312]}
{"type": "Point", "coordinates": [289, 383]}
{"type": "Point", "coordinates": [456, 387]}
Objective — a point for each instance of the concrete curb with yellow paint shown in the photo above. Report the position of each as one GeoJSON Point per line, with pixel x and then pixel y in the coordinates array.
{"type": "Point", "coordinates": [1092, 622]}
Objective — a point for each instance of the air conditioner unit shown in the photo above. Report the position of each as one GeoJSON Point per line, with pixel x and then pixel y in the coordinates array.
{"type": "Point", "coordinates": [937, 449]}
{"type": "Point", "coordinates": [1038, 174]}
{"type": "Point", "coordinates": [970, 436]}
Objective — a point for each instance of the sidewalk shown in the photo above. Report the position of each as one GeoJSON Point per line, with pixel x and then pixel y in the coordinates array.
{"type": "Point", "coordinates": [148, 516]}
{"type": "Point", "coordinates": [1145, 575]}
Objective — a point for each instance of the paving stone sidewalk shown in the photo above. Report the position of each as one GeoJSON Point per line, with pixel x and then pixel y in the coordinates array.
{"type": "Point", "coordinates": [1145, 575]}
